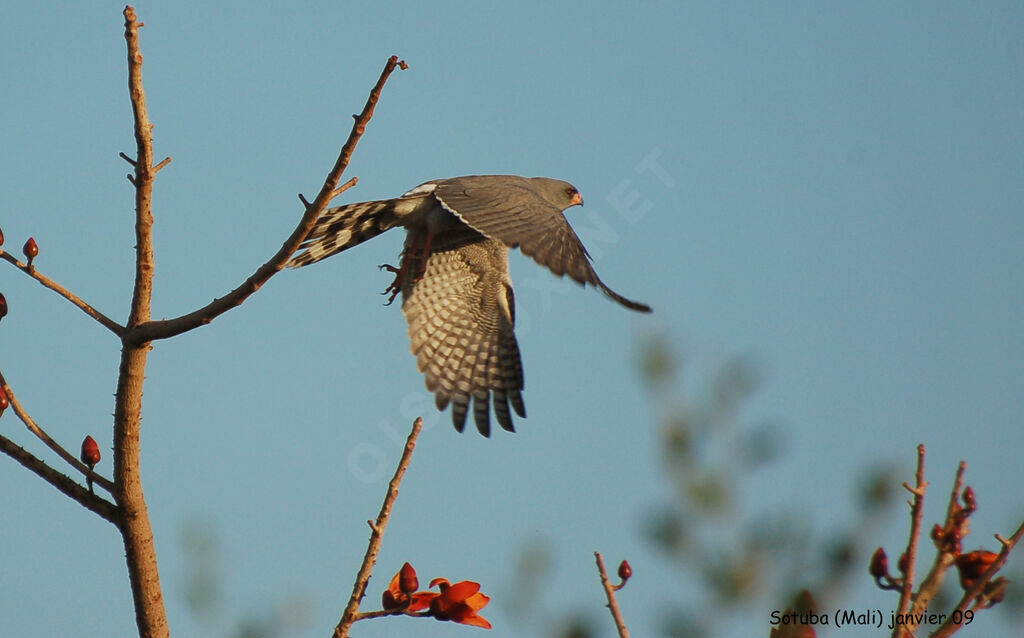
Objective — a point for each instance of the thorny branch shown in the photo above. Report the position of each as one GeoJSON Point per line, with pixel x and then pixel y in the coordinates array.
{"type": "Point", "coordinates": [41, 434]}
{"type": "Point", "coordinates": [330, 189]}
{"type": "Point", "coordinates": [62, 482]}
{"type": "Point", "coordinates": [34, 273]}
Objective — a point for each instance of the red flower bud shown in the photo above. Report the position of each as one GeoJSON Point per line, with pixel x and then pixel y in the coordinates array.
{"type": "Point", "coordinates": [31, 249]}
{"type": "Point", "coordinates": [389, 602]}
{"type": "Point", "coordinates": [904, 563]}
{"type": "Point", "coordinates": [407, 580]}
{"type": "Point", "coordinates": [90, 452]}
{"type": "Point", "coordinates": [3, 306]}
{"type": "Point", "coordinates": [1, 237]}
{"type": "Point", "coordinates": [4, 401]}
{"type": "Point", "coordinates": [879, 564]}
{"type": "Point", "coordinates": [625, 571]}
{"type": "Point", "coordinates": [970, 502]}
{"type": "Point", "coordinates": [937, 532]}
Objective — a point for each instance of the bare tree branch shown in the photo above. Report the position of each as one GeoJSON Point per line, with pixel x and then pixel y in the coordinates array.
{"type": "Point", "coordinates": [62, 482]}
{"type": "Point", "coordinates": [377, 534]}
{"type": "Point", "coordinates": [330, 189]}
{"type": "Point", "coordinates": [613, 603]}
{"type": "Point", "coordinates": [944, 557]}
{"type": "Point", "coordinates": [136, 530]}
{"type": "Point", "coordinates": [41, 434]}
{"type": "Point", "coordinates": [34, 273]}
{"type": "Point", "coordinates": [916, 516]}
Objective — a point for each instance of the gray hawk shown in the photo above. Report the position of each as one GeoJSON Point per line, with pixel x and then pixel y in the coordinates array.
{"type": "Point", "coordinates": [453, 276]}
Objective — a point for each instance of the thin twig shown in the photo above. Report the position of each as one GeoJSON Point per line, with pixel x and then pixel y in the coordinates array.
{"type": "Point", "coordinates": [104, 508]}
{"type": "Point", "coordinates": [916, 516]}
{"type": "Point", "coordinates": [170, 327]}
{"type": "Point", "coordinates": [142, 292]}
{"type": "Point", "coordinates": [950, 627]}
{"type": "Point", "coordinates": [609, 591]}
{"type": "Point", "coordinates": [381, 613]}
{"type": "Point", "coordinates": [34, 273]}
{"type": "Point", "coordinates": [377, 535]}
{"type": "Point", "coordinates": [41, 434]}
{"type": "Point", "coordinates": [943, 558]}
{"type": "Point", "coordinates": [158, 167]}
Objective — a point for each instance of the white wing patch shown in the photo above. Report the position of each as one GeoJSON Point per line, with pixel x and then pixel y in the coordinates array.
{"type": "Point", "coordinates": [422, 189]}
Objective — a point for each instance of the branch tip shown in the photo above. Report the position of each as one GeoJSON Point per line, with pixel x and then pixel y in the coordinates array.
{"type": "Point", "coordinates": [377, 536]}
{"type": "Point", "coordinates": [341, 189]}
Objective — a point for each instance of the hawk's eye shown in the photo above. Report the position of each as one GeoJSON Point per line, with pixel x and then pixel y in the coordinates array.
{"type": "Point", "coordinates": [571, 192]}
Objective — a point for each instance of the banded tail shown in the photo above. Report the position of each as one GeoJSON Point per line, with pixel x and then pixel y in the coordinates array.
{"type": "Point", "coordinates": [343, 227]}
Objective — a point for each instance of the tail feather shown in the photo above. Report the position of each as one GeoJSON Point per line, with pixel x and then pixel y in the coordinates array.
{"type": "Point", "coordinates": [343, 227]}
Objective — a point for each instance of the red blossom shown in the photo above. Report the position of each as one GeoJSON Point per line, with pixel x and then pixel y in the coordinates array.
{"type": "Point", "coordinates": [398, 597]}
{"type": "Point", "coordinates": [879, 564]}
{"type": "Point", "coordinates": [4, 401]}
{"type": "Point", "coordinates": [459, 602]}
{"type": "Point", "coordinates": [970, 500]}
{"type": "Point", "coordinates": [973, 564]}
{"type": "Point", "coordinates": [904, 563]}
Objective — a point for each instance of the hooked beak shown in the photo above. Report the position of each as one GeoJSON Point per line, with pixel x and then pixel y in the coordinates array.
{"type": "Point", "coordinates": [577, 199]}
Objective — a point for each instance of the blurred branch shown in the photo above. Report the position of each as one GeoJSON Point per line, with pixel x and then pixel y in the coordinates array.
{"type": "Point", "coordinates": [948, 547]}
{"type": "Point", "coordinates": [916, 515]}
{"type": "Point", "coordinates": [973, 592]}
{"type": "Point", "coordinates": [609, 591]}
{"type": "Point", "coordinates": [377, 534]}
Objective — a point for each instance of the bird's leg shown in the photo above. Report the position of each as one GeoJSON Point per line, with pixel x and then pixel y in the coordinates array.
{"type": "Point", "coordinates": [421, 266]}
{"type": "Point", "coordinates": [409, 254]}
{"type": "Point", "coordinates": [396, 286]}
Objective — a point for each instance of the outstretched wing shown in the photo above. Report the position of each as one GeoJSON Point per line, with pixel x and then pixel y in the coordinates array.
{"type": "Point", "coordinates": [461, 316]}
{"type": "Point", "coordinates": [511, 209]}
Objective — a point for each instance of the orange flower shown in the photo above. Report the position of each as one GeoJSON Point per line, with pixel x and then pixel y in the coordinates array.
{"type": "Point", "coordinates": [973, 564]}
{"type": "Point", "coordinates": [459, 602]}
{"type": "Point", "coordinates": [399, 594]}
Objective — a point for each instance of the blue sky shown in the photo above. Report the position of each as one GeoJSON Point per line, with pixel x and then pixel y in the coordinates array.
{"type": "Point", "coordinates": [831, 188]}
